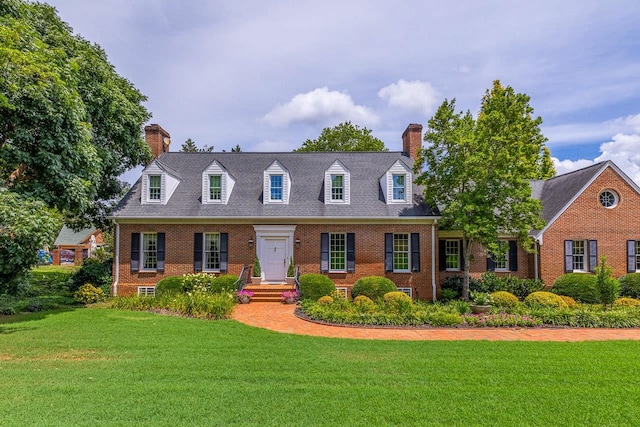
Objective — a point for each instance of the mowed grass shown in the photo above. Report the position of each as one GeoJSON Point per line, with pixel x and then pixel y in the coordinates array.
{"type": "Point", "coordinates": [109, 367]}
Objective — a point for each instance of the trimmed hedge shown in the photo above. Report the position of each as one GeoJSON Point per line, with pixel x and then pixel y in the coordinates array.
{"type": "Point", "coordinates": [373, 287]}
{"type": "Point", "coordinates": [223, 283]}
{"type": "Point", "coordinates": [579, 286]}
{"type": "Point", "coordinates": [630, 285]}
{"type": "Point", "coordinates": [169, 285]}
{"type": "Point", "coordinates": [314, 286]}
{"type": "Point", "coordinates": [544, 299]}
{"type": "Point", "coordinates": [504, 299]}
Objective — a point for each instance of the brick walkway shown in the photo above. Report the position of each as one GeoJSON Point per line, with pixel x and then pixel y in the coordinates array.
{"type": "Point", "coordinates": [280, 318]}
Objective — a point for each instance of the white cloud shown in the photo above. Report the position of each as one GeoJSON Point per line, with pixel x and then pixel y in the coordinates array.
{"type": "Point", "coordinates": [564, 166]}
{"type": "Point", "coordinates": [320, 106]}
{"type": "Point", "coordinates": [413, 96]}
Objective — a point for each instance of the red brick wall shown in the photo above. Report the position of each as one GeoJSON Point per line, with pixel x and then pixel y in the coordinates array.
{"type": "Point", "coordinates": [369, 252]}
{"type": "Point", "coordinates": [586, 219]}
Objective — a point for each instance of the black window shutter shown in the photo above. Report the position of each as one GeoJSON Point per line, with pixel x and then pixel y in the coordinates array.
{"type": "Point", "coordinates": [415, 252]}
{"type": "Point", "coordinates": [491, 265]}
{"type": "Point", "coordinates": [442, 255]}
{"type": "Point", "coordinates": [224, 252]}
{"type": "Point", "coordinates": [513, 255]}
{"type": "Point", "coordinates": [631, 256]}
{"type": "Point", "coordinates": [324, 252]}
{"type": "Point", "coordinates": [351, 252]}
{"type": "Point", "coordinates": [161, 246]}
{"type": "Point", "coordinates": [197, 252]}
{"type": "Point", "coordinates": [593, 255]}
{"type": "Point", "coordinates": [568, 256]}
{"type": "Point", "coordinates": [388, 252]}
{"type": "Point", "coordinates": [135, 252]}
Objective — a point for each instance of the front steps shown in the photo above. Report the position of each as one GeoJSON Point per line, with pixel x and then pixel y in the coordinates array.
{"type": "Point", "coordinates": [268, 293]}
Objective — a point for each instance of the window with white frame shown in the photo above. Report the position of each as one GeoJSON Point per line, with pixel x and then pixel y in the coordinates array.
{"type": "Point", "coordinates": [275, 187]}
{"type": "Point", "coordinates": [155, 187]}
{"type": "Point", "coordinates": [452, 254]}
{"type": "Point", "coordinates": [407, 291]}
{"type": "Point", "coordinates": [149, 251]}
{"type": "Point", "coordinates": [337, 187]}
{"type": "Point", "coordinates": [146, 291]}
{"type": "Point", "coordinates": [399, 186]}
{"type": "Point", "coordinates": [401, 252]}
{"type": "Point", "coordinates": [338, 252]}
{"type": "Point", "coordinates": [212, 251]}
{"type": "Point", "coordinates": [501, 261]}
{"type": "Point", "coordinates": [579, 254]}
{"type": "Point", "coordinates": [215, 187]}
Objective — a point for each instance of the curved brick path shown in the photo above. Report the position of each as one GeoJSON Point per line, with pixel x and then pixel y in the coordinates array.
{"type": "Point", "coordinates": [280, 318]}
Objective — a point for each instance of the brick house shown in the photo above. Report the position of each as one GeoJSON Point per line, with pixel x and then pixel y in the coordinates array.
{"type": "Point", "coordinates": [348, 215]}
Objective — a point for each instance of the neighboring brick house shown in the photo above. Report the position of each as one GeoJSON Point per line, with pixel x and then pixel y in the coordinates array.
{"type": "Point", "coordinates": [343, 214]}
{"type": "Point", "coordinates": [72, 247]}
{"type": "Point", "coordinates": [348, 215]}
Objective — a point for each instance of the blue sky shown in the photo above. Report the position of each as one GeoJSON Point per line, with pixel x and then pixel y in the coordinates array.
{"type": "Point", "coordinates": [270, 74]}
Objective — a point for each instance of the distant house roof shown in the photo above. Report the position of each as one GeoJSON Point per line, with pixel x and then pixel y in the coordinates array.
{"type": "Point", "coordinates": [307, 171]}
{"type": "Point", "coordinates": [69, 237]}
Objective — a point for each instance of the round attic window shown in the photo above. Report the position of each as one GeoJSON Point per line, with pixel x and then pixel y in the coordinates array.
{"type": "Point", "coordinates": [609, 199]}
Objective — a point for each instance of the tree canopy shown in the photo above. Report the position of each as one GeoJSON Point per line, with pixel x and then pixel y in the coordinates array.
{"type": "Point", "coordinates": [189, 146]}
{"type": "Point", "coordinates": [70, 127]}
{"type": "Point", "coordinates": [478, 171]}
{"type": "Point", "coordinates": [344, 137]}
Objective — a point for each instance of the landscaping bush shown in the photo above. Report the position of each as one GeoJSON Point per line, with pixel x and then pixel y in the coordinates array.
{"type": "Point", "coordinates": [364, 304]}
{"type": "Point", "coordinates": [544, 299]}
{"type": "Point", "coordinates": [325, 300]}
{"type": "Point", "coordinates": [627, 302]}
{"type": "Point", "coordinates": [223, 283]}
{"type": "Point", "coordinates": [448, 295]}
{"type": "Point", "coordinates": [49, 282]}
{"type": "Point", "coordinates": [202, 305]}
{"type": "Point", "coordinates": [608, 288]}
{"type": "Point", "coordinates": [490, 282]}
{"type": "Point", "coordinates": [504, 299]}
{"type": "Point", "coordinates": [88, 294]}
{"type": "Point", "coordinates": [197, 282]}
{"type": "Point", "coordinates": [452, 285]}
{"type": "Point", "coordinates": [93, 271]}
{"type": "Point", "coordinates": [314, 286]}
{"type": "Point", "coordinates": [571, 303]}
{"type": "Point", "coordinates": [169, 285]}
{"type": "Point", "coordinates": [579, 286]}
{"type": "Point", "coordinates": [398, 302]}
{"type": "Point", "coordinates": [630, 285]}
{"type": "Point", "coordinates": [373, 287]}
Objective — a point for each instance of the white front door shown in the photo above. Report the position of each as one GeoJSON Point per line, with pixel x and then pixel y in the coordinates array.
{"type": "Point", "coordinates": [274, 259]}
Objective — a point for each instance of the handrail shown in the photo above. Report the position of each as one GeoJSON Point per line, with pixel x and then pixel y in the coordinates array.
{"type": "Point", "coordinates": [297, 280]}
{"type": "Point", "coordinates": [242, 278]}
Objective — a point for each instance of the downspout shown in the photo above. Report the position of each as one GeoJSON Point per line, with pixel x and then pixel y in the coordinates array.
{"type": "Point", "coordinates": [116, 261]}
{"type": "Point", "coordinates": [536, 275]}
{"type": "Point", "coordinates": [433, 259]}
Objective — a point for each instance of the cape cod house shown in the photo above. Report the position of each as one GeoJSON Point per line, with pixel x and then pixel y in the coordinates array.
{"type": "Point", "coordinates": [347, 215]}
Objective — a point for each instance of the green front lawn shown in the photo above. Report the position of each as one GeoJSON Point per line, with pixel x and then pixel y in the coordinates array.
{"type": "Point", "coordinates": [111, 367]}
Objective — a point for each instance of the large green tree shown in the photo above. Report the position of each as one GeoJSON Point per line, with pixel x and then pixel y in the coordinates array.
{"type": "Point", "coordinates": [478, 171]}
{"type": "Point", "coordinates": [344, 137]}
{"type": "Point", "coordinates": [70, 125]}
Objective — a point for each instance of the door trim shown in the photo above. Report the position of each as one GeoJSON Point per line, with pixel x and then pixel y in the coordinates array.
{"type": "Point", "coordinates": [264, 232]}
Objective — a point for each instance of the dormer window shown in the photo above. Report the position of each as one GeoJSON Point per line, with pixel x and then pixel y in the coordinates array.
{"type": "Point", "coordinates": [277, 184]}
{"type": "Point", "coordinates": [396, 183]}
{"type": "Point", "coordinates": [337, 184]}
{"type": "Point", "coordinates": [155, 187]}
{"type": "Point", "coordinates": [217, 184]}
{"type": "Point", "coordinates": [399, 187]}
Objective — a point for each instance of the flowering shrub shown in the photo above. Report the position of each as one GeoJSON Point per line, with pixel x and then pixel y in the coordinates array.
{"type": "Point", "coordinates": [88, 294]}
{"type": "Point", "coordinates": [288, 295]}
{"type": "Point", "coordinates": [195, 304]}
{"type": "Point", "coordinates": [244, 294]}
{"type": "Point", "coordinates": [198, 282]}
{"type": "Point", "coordinates": [481, 298]}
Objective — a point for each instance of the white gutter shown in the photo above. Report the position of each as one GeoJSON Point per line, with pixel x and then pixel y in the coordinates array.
{"type": "Point", "coordinates": [116, 261]}
{"type": "Point", "coordinates": [433, 259]}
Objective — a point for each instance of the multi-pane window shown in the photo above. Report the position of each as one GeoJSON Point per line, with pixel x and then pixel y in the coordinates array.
{"type": "Point", "coordinates": [452, 254]}
{"type": "Point", "coordinates": [401, 252]}
{"type": "Point", "coordinates": [149, 251]}
{"type": "Point", "coordinates": [275, 187]}
{"type": "Point", "coordinates": [337, 252]}
{"type": "Point", "coordinates": [579, 253]}
{"type": "Point", "coordinates": [155, 187]}
{"type": "Point", "coordinates": [337, 187]}
{"type": "Point", "coordinates": [399, 187]}
{"type": "Point", "coordinates": [215, 187]}
{"type": "Point", "coordinates": [637, 255]}
{"type": "Point", "coordinates": [212, 251]}
{"type": "Point", "coordinates": [501, 261]}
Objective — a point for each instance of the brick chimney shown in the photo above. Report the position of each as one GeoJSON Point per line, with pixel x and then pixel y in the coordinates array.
{"type": "Point", "coordinates": [157, 138]}
{"type": "Point", "coordinates": [412, 140]}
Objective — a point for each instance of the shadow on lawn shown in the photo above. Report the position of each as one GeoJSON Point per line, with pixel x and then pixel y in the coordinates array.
{"type": "Point", "coordinates": [28, 317]}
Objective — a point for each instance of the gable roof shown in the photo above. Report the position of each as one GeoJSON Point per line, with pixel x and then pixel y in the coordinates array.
{"type": "Point", "coordinates": [307, 187]}
{"type": "Point", "coordinates": [558, 193]}
{"type": "Point", "coordinates": [69, 237]}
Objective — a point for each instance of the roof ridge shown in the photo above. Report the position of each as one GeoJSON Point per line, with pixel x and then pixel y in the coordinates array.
{"type": "Point", "coordinates": [595, 165]}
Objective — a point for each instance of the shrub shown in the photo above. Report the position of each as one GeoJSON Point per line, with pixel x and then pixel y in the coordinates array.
{"type": "Point", "coordinates": [627, 302]}
{"type": "Point", "coordinates": [223, 283]}
{"type": "Point", "coordinates": [373, 287]}
{"type": "Point", "coordinates": [169, 285]}
{"type": "Point", "coordinates": [88, 294]}
{"type": "Point", "coordinates": [448, 295]}
{"type": "Point", "coordinates": [198, 282]}
{"type": "Point", "coordinates": [579, 286]}
{"type": "Point", "coordinates": [490, 282]}
{"type": "Point", "coordinates": [257, 269]}
{"type": "Point", "coordinates": [453, 284]}
{"type": "Point", "coordinates": [504, 299]}
{"type": "Point", "coordinates": [314, 286]}
{"type": "Point", "coordinates": [630, 285]}
{"type": "Point", "coordinates": [325, 300]}
{"type": "Point", "coordinates": [49, 283]}
{"type": "Point", "coordinates": [571, 303]}
{"type": "Point", "coordinates": [544, 299]}
{"type": "Point", "coordinates": [398, 302]}
{"type": "Point", "coordinates": [93, 271]}
{"type": "Point", "coordinates": [608, 288]}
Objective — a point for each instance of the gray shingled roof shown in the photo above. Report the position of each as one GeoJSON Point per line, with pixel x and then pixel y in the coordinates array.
{"type": "Point", "coordinates": [307, 187]}
{"type": "Point", "coordinates": [69, 237]}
